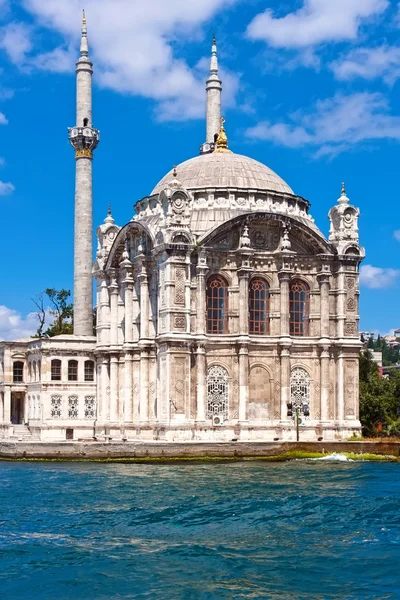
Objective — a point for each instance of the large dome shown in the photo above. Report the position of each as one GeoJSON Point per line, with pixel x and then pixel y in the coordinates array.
{"type": "Point", "coordinates": [225, 170]}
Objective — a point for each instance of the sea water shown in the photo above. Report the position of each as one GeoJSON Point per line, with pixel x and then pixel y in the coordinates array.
{"type": "Point", "coordinates": [296, 530]}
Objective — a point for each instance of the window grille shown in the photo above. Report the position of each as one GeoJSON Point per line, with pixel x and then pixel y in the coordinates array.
{"type": "Point", "coordinates": [217, 305]}
{"type": "Point", "coordinates": [72, 370]}
{"type": "Point", "coordinates": [217, 392]}
{"type": "Point", "coordinates": [258, 306]}
{"type": "Point", "coordinates": [18, 371]}
{"type": "Point", "coordinates": [73, 407]}
{"type": "Point", "coordinates": [299, 388]}
{"type": "Point", "coordinates": [89, 370]}
{"type": "Point", "coordinates": [56, 369]}
{"type": "Point", "coordinates": [90, 407]}
{"type": "Point", "coordinates": [299, 308]}
{"type": "Point", "coordinates": [55, 411]}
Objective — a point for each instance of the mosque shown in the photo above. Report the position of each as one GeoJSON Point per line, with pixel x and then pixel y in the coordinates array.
{"type": "Point", "coordinates": [223, 313]}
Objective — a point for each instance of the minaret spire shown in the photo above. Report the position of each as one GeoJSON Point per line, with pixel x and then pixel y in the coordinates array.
{"type": "Point", "coordinates": [213, 95]}
{"type": "Point", "coordinates": [84, 140]}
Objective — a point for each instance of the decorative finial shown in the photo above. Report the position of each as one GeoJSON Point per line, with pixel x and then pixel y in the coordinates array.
{"type": "Point", "coordinates": [84, 41]}
{"type": "Point", "coordinates": [343, 189]}
{"type": "Point", "coordinates": [222, 139]}
{"type": "Point", "coordinates": [109, 209]}
{"type": "Point", "coordinates": [109, 217]}
{"type": "Point", "coordinates": [214, 40]}
{"type": "Point", "coordinates": [83, 18]}
{"type": "Point", "coordinates": [174, 173]}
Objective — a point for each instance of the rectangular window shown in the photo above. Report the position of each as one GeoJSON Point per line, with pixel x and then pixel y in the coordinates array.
{"type": "Point", "coordinates": [56, 370]}
{"type": "Point", "coordinates": [90, 407]}
{"type": "Point", "coordinates": [72, 370]}
{"type": "Point", "coordinates": [55, 411]}
{"type": "Point", "coordinates": [89, 370]}
{"type": "Point", "coordinates": [18, 372]}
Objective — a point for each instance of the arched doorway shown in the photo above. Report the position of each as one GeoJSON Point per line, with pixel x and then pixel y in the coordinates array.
{"type": "Point", "coordinates": [217, 392]}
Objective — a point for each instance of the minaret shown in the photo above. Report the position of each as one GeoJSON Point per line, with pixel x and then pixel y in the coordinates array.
{"type": "Point", "coordinates": [84, 139]}
{"type": "Point", "coordinates": [213, 99]}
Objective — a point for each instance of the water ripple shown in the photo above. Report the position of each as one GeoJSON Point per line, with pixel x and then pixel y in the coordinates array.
{"type": "Point", "coordinates": [287, 531]}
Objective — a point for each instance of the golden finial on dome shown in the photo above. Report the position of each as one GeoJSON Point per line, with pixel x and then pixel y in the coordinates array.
{"type": "Point", "coordinates": [83, 18]}
{"type": "Point", "coordinates": [222, 139]}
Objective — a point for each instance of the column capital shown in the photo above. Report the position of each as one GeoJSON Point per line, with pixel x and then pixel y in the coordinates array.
{"type": "Point", "coordinates": [285, 275]}
{"type": "Point", "coordinates": [324, 277]}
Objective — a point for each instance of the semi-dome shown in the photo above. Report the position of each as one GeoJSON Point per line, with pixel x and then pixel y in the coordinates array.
{"type": "Point", "coordinates": [225, 170]}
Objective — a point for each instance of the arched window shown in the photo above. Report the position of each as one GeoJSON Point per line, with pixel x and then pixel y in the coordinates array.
{"type": "Point", "coordinates": [217, 305]}
{"type": "Point", "coordinates": [72, 370]}
{"type": "Point", "coordinates": [217, 392]}
{"type": "Point", "coordinates": [56, 369]}
{"type": "Point", "coordinates": [299, 307]}
{"type": "Point", "coordinates": [258, 306]}
{"type": "Point", "coordinates": [18, 371]}
{"type": "Point", "coordinates": [89, 370]}
{"type": "Point", "coordinates": [300, 389]}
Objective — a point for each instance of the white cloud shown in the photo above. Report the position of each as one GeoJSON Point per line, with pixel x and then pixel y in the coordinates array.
{"type": "Point", "coordinates": [14, 326]}
{"type": "Point", "coordinates": [316, 22]}
{"type": "Point", "coordinates": [376, 277]}
{"type": "Point", "coordinates": [135, 46]}
{"type": "Point", "coordinates": [15, 40]}
{"type": "Point", "coordinates": [334, 124]}
{"type": "Point", "coordinates": [6, 188]}
{"type": "Point", "coordinates": [369, 63]}
{"type": "Point", "coordinates": [397, 235]}
{"type": "Point", "coordinates": [3, 119]}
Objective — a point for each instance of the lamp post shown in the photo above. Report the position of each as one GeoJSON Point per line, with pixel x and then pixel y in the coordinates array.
{"type": "Point", "coordinates": [295, 409]}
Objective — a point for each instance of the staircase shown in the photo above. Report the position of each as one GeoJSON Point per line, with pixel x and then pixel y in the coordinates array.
{"type": "Point", "coordinates": [22, 433]}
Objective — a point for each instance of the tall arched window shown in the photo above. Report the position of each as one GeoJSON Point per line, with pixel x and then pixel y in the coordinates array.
{"type": "Point", "coordinates": [258, 306]}
{"type": "Point", "coordinates": [217, 392]}
{"type": "Point", "coordinates": [56, 369]}
{"type": "Point", "coordinates": [72, 370]}
{"type": "Point", "coordinates": [18, 371]}
{"type": "Point", "coordinates": [299, 307]}
{"type": "Point", "coordinates": [217, 305]}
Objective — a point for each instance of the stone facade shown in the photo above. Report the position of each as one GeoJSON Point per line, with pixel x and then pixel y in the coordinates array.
{"type": "Point", "coordinates": [223, 313]}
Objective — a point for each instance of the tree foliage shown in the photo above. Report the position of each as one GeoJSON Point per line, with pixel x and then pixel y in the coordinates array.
{"type": "Point", "coordinates": [60, 312]}
{"type": "Point", "coordinates": [390, 356]}
{"type": "Point", "coordinates": [379, 399]}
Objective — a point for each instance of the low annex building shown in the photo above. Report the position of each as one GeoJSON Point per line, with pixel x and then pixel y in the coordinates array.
{"type": "Point", "coordinates": [222, 310]}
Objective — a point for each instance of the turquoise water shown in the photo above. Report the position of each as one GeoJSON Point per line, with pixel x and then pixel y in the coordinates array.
{"type": "Point", "coordinates": [284, 531]}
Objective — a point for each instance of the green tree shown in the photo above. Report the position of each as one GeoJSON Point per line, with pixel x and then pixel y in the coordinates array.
{"type": "Point", "coordinates": [61, 311]}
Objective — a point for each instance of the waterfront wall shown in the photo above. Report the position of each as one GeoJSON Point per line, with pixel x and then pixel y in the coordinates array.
{"type": "Point", "coordinates": [184, 451]}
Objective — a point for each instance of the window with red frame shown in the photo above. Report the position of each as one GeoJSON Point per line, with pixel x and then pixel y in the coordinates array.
{"type": "Point", "coordinates": [217, 305]}
{"type": "Point", "coordinates": [258, 306]}
{"type": "Point", "coordinates": [299, 308]}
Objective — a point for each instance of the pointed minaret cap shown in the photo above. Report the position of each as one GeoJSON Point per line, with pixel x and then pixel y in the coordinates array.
{"type": "Point", "coordinates": [109, 217]}
{"type": "Point", "coordinates": [84, 40]}
{"type": "Point", "coordinates": [343, 198]}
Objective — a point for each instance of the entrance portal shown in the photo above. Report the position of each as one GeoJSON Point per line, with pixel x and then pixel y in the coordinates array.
{"type": "Point", "coordinates": [17, 408]}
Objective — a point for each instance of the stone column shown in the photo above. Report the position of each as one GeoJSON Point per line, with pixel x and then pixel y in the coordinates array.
{"type": "Point", "coordinates": [340, 387]}
{"type": "Point", "coordinates": [135, 315]}
{"type": "Point", "coordinates": [114, 309]}
{"type": "Point", "coordinates": [243, 302]}
{"type": "Point", "coordinates": [105, 390]}
{"type": "Point", "coordinates": [144, 304]}
{"type": "Point", "coordinates": [341, 303]}
{"type": "Point", "coordinates": [7, 406]}
{"type": "Point", "coordinates": [201, 294]}
{"type": "Point", "coordinates": [324, 383]}
{"type": "Point", "coordinates": [285, 381]}
{"type": "Point", "coordinates": [201, 383]}
{"type": "Point", "coordinates": [144, 385]}
{"type": "Point", "coordinates": [114, 399]}
{"type": "Point", "coordinates": [243, 382]}
{"type": "Point", "coordinates": [284, 278]}
{"type": "Point", "coordinates": [323, 280]}
{"type": "Point", "coordinates": [128, 308]}
{"type": "Point", "coordinates": [128, 391]}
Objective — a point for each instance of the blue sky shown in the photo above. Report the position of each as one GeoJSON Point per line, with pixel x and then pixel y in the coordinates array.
{"type": "Point", "coordinates": [311, 88]}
